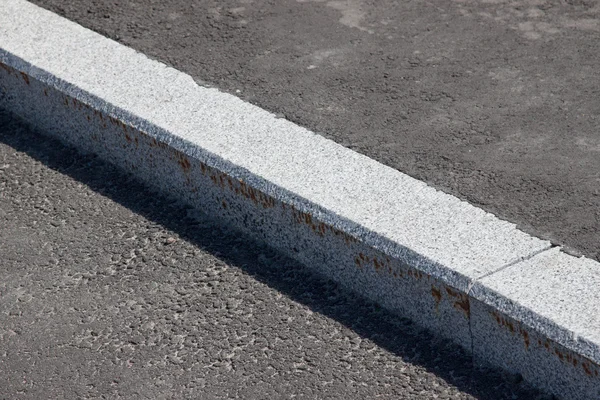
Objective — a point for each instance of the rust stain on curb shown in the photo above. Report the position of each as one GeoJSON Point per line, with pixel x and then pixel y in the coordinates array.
{"type": "Point", "coordinates": [588, 367]}
{"type": "Point", "coordinates": [380, 263]}
{"type": "Point", "coordinates": [461, 301]}
{"type": "Point", "coordinates": [437, 295]}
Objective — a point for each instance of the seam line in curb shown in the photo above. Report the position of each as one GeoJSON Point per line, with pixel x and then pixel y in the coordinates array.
{"type": "Point", "coordinates": [472, 283]}
{"type": "Point", "coordinates": [510, 264]}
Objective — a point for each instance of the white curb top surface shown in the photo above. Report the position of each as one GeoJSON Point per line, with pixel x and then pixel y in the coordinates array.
{"type": "Point", "coordinates": [381, 206]}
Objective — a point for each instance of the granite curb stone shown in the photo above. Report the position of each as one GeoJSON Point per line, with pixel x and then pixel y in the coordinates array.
{"type": "Point", "coordinates": [418, 251]}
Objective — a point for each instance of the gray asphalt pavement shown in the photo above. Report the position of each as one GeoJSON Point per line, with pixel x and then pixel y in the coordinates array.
{"type": "Point", "coordinates": [108, 290]}
{"type": "Point", "coordinates": [493, 101]}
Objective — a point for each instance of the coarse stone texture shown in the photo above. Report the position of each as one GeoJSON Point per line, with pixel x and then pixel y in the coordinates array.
{"type": "Point", "coordinates": [494, 101]}
{"type": "Point", "coordinates": [413, 249]}
{"type": "Point", "coordinates": [540, 318]}
{"type": "Point", "coordinates": [111, 290]}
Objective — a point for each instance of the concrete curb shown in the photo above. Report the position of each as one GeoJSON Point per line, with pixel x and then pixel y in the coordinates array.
{"type": "Point", "coordinates": [509, 298]}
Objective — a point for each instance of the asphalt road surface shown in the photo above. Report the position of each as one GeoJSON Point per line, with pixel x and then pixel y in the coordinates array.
{"type": "Point", "coordinates": [494, 101]}
{"type": "Point", "coordinates": [108, 290]}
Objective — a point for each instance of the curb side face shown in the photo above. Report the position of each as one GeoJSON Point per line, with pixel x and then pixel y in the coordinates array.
{"type": "Point", "coordinates": [502, 341]}
{"type": "Point", "coordinates": [554, 292]}
{"type": "Point", "coordinates": [540, 318]}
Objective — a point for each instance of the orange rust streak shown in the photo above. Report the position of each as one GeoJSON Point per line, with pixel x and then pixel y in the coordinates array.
{"type": "Point", "coordinates": [463, 305]}
{"type": "Point", "coordinates": [185, 164]}
{"type": "Point", "coordinates": [437, 295]}
{"type": "Point", "coordinates": [25, 77]}
{"type": "Point", "coordinates": [586, 368]}
{"type": "Point", "coordinates": [376, 264]}
{"type": "Point", "coordinates": [525, 338]}
{"type": "Point", "coordinates": [589, 367]}
{"type": "Point", "coordinates": [510, 326]}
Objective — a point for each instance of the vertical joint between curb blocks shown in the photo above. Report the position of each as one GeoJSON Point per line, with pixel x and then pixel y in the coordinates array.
{"type": "Point", "coordinates": [496, 314]}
